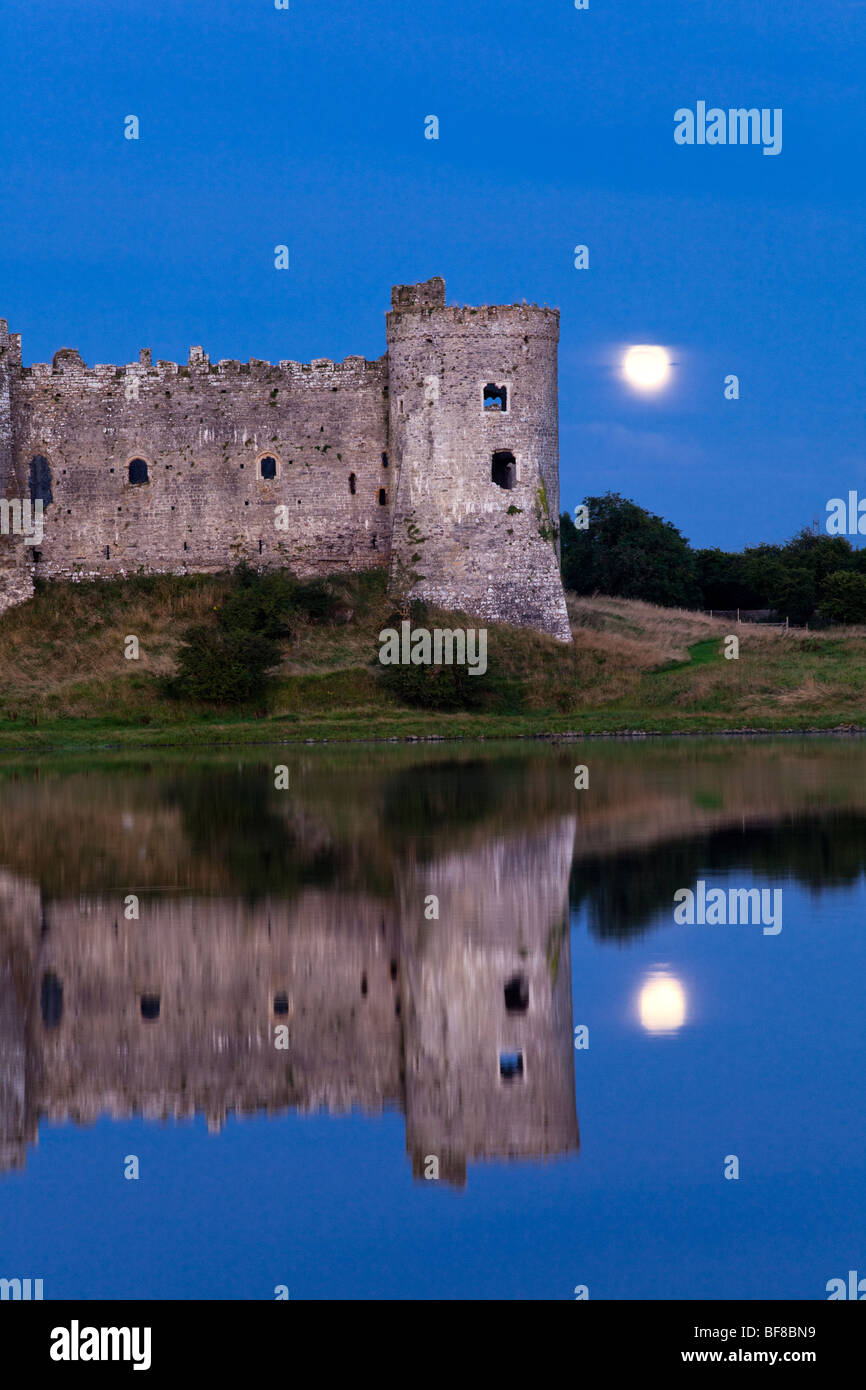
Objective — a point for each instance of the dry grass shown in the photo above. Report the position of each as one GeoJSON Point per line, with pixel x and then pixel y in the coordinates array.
{"type": "Point", "coordinates": [631, 665]}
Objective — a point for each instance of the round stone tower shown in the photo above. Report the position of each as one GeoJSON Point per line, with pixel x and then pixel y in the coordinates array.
{"type": "Point", "coordinates": [474, 440]}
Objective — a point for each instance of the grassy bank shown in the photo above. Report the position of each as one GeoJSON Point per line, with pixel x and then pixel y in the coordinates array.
{"type": "Point", "coordinates": [633, 667]}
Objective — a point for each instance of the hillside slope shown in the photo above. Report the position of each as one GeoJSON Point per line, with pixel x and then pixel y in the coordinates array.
{"type": "Point", "coordinates": [633, 666]}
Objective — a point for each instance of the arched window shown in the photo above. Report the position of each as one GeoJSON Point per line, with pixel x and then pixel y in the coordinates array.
{"type": "Point", "coordinates": [40, 480]}
{"type": "Point", "coordinates": [138, 471]}
{"type": "Point", "coordinates": [268, 467]}
{"type": "Point", "coordinates": [503, 470]}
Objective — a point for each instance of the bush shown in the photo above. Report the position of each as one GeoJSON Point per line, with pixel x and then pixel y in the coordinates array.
{"type": "Point", "coordinates": [226, 668]}
{"type": "Point", "coordinates": [259, 603]}
{"type": "Point", "coordinates": [318, 601]}
{"type": "Point", "coordinates": [230, 663]}
{"type": "Point", "coordinates": [443, 687]}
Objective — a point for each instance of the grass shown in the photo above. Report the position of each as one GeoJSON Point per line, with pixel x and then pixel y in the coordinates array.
{"type": "Point", "coordinates": [633, 667]}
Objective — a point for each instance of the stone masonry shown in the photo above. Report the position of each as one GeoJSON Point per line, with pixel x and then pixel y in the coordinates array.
{"type": "Point", "coordinates": [438, 461]}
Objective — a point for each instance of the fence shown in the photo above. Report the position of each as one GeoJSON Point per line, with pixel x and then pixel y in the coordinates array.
{"type": "Point", "coordinates": [748, 615]}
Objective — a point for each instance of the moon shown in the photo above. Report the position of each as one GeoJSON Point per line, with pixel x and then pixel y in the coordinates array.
{"type": "Point", "coordinates": [646, 367]}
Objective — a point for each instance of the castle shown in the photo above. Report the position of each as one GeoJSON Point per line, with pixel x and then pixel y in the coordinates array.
{"type": "Point", "coordinates": [438, 461]}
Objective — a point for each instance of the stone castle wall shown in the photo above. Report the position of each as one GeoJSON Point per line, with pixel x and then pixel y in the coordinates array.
{"type": "Point", "coordinates": [318, 467]}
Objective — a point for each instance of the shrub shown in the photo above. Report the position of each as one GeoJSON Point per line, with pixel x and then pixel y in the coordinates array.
{"type": "Point", "coordinates": [223, 667]}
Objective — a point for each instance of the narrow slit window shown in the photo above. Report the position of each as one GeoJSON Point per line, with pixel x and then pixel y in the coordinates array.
{"type": "Point", "coordinates": [40, 480]}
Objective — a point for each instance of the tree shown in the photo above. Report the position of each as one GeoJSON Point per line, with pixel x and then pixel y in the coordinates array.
{"type": "Point", "coordinates": [844, 598]}
{"type": "Point", "coordinates": [628, 552]}
{"type": "Point", "coordinates": [795, 597]}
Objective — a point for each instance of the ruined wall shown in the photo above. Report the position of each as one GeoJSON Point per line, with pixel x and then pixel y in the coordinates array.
{"type": "Point", "coordinates": [318, 467]}
{"type": "Point", "coordinates": [461, 539]}
{"type": "Point", "coordinates": [202, 432]}
{"type": "Point", "coordinates": [16, 580]}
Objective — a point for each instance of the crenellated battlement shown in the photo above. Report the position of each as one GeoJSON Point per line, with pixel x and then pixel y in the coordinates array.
{"type": "Point", "coordinates": [68, 362]}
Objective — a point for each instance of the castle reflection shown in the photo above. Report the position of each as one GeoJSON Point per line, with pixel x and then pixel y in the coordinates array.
{"type": "Point", "coordinates": [403, 914]}
{"type": "Point", "coordinates": [462, 1021]}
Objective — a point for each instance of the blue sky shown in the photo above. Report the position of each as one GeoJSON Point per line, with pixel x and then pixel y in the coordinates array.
{"type": "Point", "coordinates": [306, 127]}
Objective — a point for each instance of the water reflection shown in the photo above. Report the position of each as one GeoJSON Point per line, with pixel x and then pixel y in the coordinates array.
{"type": "Point", "coordinates": [662, 1003]}
{"type": "Point", "coordinates": [403, 913]}
{"type": "Point", "coordinates": [462, 1022]}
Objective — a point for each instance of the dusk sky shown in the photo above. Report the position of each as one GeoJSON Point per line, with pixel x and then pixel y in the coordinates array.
{"type": "Point", "coordinates": [305, 127]}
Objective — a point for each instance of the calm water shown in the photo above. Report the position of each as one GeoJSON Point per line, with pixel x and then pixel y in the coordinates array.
{"type": "Point", "coordinates": [418, 1042]}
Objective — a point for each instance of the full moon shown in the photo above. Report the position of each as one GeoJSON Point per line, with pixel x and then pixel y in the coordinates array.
{"type": "Point", "coordinates": [646, 367]}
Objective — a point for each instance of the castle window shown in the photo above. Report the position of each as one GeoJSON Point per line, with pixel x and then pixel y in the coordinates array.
{"type": "Point", "coordinates": [40, 480]}
{"type": "Point", "coordinates": [495, 398]}
{"type": "Point", "coordinates": [352, 484]}
{"type": "Point", "coordinates": [51, 1000]}
{"type": "Point", "coordinates": [511, 1065]}
{"type": "Point", "coordinates": [150, 1006]}
{"type": "Point", "coordinates": [281, 1004]}
{"type": "Point", "coordinates": [517, 995]}
{"type": "Point", "coordinates": [268, 467]}
{"type": "Point", "coordinates": [503, 469]}
{"type": "Point", "coordinates": [383, 497]}
{"type": "Point", "coordinates": [137, 471]}
{"type": "Point", "coordinates": [384, 460]}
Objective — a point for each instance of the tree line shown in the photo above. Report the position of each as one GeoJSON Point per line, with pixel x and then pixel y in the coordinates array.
{"type": "Point", "coordinates": [625, 551]}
